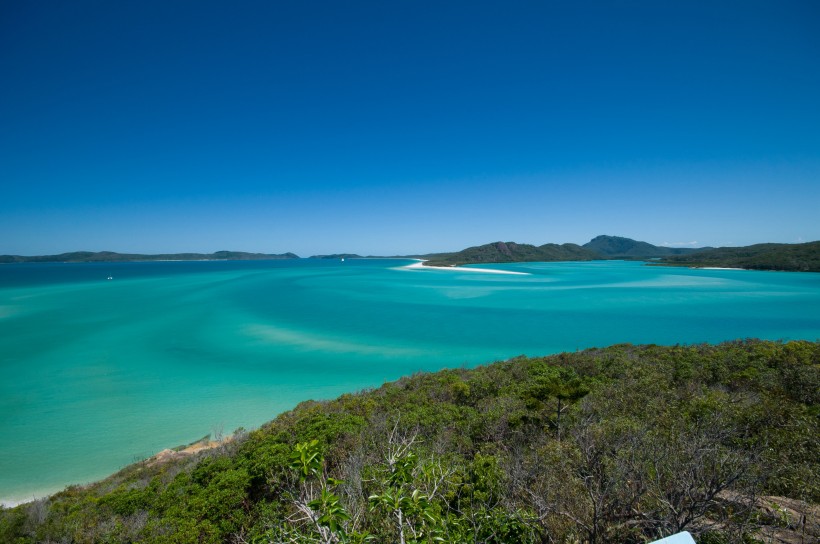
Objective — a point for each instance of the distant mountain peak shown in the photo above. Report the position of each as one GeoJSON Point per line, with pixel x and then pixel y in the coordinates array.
{"type": "Point", "coordinates": [504, 248]}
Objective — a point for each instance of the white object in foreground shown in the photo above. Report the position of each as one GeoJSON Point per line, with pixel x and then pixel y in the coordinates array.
{"type": "Point", "coordinates": [680, 538]}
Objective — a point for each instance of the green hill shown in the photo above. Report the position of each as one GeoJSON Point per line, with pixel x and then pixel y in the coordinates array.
{"type": "Point", "coordinates": [623, 444]}
{"type": "Point", "coordinates": [600, 247]}
{"type": "Point", "coordinates": [111, 256]}
{"type": "Point", "coordinates": [789, 257]}
{"type": "Point", "coordinates": [617, 247]}
{"type": "Point", "coordinates": [511, 252]}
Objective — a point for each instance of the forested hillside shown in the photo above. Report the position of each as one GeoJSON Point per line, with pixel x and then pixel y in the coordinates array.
{"type": "Point", "coordinates": [600, 247]}
{"type": "Point", "coordinates": [510, 252]}
{"type": "Point", "coordinates": [618, 247]}
{"type": "Point", "coordinates": [787, 257]}
{"type": "Point", "coordinates": [622, 444]}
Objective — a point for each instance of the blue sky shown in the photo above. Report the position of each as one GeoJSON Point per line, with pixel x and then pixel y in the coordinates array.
{"type": "Point", "coordinates": [405, 126]}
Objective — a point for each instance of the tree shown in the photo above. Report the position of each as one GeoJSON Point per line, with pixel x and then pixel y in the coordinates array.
{"type": "Point", "coordinates": [561, 384]}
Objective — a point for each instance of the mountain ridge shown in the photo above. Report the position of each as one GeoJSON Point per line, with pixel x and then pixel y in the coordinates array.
{"type": "Point", "coordinates": [511, 252]}
{"type": "Point", "coordinates": [804, 257]}
{"type": "Point", "coordinates": [600, 247]}
{"type": "Point", "coordinates": [620, 247]}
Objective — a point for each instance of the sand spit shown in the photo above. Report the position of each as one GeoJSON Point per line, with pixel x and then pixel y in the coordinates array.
{"type": "Point", "coordinates": [421, 266]}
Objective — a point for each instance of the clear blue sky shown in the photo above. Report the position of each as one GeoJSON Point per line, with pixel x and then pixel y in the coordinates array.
{"type": "Point", "coordinates": [391, 127]}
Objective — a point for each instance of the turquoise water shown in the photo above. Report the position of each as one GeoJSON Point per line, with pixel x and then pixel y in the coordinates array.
{"type": "Point", "coordinates": [99, 373]}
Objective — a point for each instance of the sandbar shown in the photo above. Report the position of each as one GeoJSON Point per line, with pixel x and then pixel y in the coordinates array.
{"type": "Point", "coordinates": [420, 265]}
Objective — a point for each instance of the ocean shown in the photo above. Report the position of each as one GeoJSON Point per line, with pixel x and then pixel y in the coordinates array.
{"type": "Point", "coordinates": [98, 373]}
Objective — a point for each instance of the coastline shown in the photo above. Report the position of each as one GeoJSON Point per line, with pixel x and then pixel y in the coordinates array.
{"type": "Point", "coordinates": [11, 502]}
{"type": "Point", "coordinates": [696, 267]}
{"type": "Point", "coordinates": [158, 458]}
{"type": "Point", "coordinates": [419, 265]}
{"type": "Point", "coordinates": [504, 286]}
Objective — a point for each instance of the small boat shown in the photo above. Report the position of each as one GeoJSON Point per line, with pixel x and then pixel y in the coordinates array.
{"type": "Point", "coordinates": [343, 259]}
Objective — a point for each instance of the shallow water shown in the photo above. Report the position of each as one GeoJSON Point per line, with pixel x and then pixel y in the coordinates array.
{"type": "Point", "coordinates": [98, 373]}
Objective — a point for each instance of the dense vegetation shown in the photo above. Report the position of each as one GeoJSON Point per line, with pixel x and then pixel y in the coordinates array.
{"type": "Point", "coordinates": [617, 247]}
{"type": "Point", "coordinates": [510, 252]}
{"type": "Point", "coordinates": [791, 257]}
{"type": "Point", "coordinates": [113, 257]}
{"type": "Point", "coordinates": [600, 247]}
{"type": "Point", "coordinates": [623, 444]}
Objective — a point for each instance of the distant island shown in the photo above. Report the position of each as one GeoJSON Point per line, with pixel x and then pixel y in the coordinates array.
{"type": "Point", "coordinates": [337, 256]}
{"type": "Point", "coordinates": [113, 257]}
{"type": "Point", "coordinates": [617, 247]}
{"type": "Point", "coordinates": [803, 257]}
{"type": "Point", "coordinates": [787, 257]}
{"type": "Point", "coordinates": [600, 247]}
{"type": "Point", "coordinates": [511, 252]}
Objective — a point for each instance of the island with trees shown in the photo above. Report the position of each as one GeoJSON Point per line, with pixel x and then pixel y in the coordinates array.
{"type": "Point", "coordinates": [804, 257]}
{"type": "Point", "coordinates": [114, 257]}
{"type": "Point", "coordinates": [787, 257]}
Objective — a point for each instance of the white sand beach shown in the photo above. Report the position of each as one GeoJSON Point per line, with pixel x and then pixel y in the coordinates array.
{"type": "Point", "coordinates": [420, 265]}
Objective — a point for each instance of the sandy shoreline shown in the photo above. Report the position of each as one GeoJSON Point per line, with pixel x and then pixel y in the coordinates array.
{"type": "Point", "coordinates": [421, 266]}
{"type": "Point", "coordinates": [10, 503]}
{"type": "Point", "coordinates": [36, 496]}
